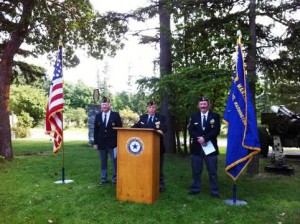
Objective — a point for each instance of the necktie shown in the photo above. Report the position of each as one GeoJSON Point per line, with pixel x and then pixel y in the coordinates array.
{"type": "Point", "coordinates": [104, 121]}
{"type": "Point", "coordinates": [150, 120]}
{"type": "Point", "coordinates": [204, 122]}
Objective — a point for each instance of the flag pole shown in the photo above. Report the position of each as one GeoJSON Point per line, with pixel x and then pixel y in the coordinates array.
{"type": "Point", "coordinates": [62, 131]}
{"type": "Point", "coordinates": [234, 200]}
{"type": "Point", "coordinates": [63, 156]}
{"type": "Point", "coordinates": [234, 192]}
{"type": "Point", "coordinates": [63, 180]}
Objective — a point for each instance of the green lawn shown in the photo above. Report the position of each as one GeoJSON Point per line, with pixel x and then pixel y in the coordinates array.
{"type": "Point", "coordinates": [28, 193]}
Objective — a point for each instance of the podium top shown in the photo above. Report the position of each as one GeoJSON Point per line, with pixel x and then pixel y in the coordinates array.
{"type": "Point", "coordinates": [138, 129]}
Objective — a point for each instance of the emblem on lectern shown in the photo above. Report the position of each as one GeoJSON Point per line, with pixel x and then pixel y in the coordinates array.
{"type": "Point", "coordinates": [135, 146]}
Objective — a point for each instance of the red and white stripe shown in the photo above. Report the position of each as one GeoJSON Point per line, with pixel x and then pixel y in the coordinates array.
{"type": "Point", "coordinates": [54, 112]}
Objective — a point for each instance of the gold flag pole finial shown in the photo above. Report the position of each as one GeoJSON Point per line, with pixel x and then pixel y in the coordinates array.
{"type": "Point", "coordinates": [60, 41]}
{"type": "Point", "coordinates": [239, 34]}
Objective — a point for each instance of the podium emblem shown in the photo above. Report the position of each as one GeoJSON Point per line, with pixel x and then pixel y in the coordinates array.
{"type": "Point", "coordinates": [135, 146]}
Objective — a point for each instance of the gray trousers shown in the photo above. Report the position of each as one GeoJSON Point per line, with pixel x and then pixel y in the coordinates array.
{"type": "Point", "coordinates": [103, 155]}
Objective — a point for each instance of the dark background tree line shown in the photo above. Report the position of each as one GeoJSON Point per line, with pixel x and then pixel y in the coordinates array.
{"type": "Point", "coordinates": [197, 40]}
{"type": "Point", "coordinates": [203, 43]}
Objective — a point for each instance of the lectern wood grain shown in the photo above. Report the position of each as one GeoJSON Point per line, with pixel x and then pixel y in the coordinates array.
{"type": "Point", "coordinates": [138, 172]}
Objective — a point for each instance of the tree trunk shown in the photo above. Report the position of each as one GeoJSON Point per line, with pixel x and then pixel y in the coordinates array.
{"type": "Point", "coordinates": [185, 136]}
{"type": "Point", "coordinates": [166, 69]}
{"type": "Point", "coordinates": [5, 79]}
{"type": "Point", "coordinates": [179, 149]}
{"type": "Point", "coordinates": [253, 167]}
{"type": "Point", "coordinates": [5, 132]}
{"type": "Point", "coordinates": [11, 47]}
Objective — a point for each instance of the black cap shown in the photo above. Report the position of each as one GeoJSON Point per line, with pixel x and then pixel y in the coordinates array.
{"type": "Point", "coordinates": [203, 98]}
{"type": "Point", "coordinates": [151, 103]}
{"type": "Point", "coordinates": [105, 100]}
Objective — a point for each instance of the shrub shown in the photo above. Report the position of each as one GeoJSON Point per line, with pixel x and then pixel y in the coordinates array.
{"type": "Point", "coordinates": [75, 117]}
{"type": "Point", "coordinates": [128, 117]}
{"type": "Point", "coordinates": [22, 129]}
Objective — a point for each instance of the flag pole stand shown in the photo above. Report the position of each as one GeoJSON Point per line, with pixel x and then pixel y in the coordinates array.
{"type": "Point", "coordinates": [63, 180]}
{"type": "Point", "coordinates": [234, 201]}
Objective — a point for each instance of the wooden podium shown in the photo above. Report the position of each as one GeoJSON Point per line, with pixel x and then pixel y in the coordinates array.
{"type": "Point", "coordinates": [138, 165]}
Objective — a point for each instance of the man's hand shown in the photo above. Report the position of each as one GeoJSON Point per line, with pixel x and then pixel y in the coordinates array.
{"type": "Point", "coordinates": [201, 140]}
{"type": "Point", "coordinates": [160, 131]}
{"type": "Point", "coordinates": [95, 146]}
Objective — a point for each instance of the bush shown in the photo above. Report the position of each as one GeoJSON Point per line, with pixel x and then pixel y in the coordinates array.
{"type": "Point", "coordinates": [22, 129]}
{"type": "Point", "coordinates": [128, 117]}
{"type": "Point", "coordinates": [75, 117]}
{"type": "Point", "coordinates": [25, 98]}
{"type": "Point", "coordinates": [21, 132]}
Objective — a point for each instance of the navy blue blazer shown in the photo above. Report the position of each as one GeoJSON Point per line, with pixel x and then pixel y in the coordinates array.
{"type": "Point", "coordinates": [106, 136]}
{"type": "Point", "coordinates": [159, 123]}
{"type": "Point", "coordinates": [210, 133]}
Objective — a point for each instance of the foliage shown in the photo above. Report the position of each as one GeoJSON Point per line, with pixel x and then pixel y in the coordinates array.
{"type": "Point", "coordinates": [205, 32]}
{"type": "Point", "coordinates": [128, 117]}
{"type": "Point", "coordinates": [187, 85]}
{"type": "Point", "coordinates": [77, 95]}
{"type": "Point", "coordinates": [39, 26]}
{"type": "Point", "coordinates": [184, 88]}
{"type": "Point", "coordinates": [102, 84]}
{"type": "Point", "coordinates": [149, 86]}
{"type": "Point", "coordinates": [73, 22]}
{"type": "Point", "coordinates": [25, 98]}
{"type": "Point", "coordinates": [28, 74]}
{"type": "Point", "coordinates": [281, 80]}
{"type": "Point", "coordinates": [136, 102]}
{"type": "Point", "coordinates": [24, 123]}
{"type": "Point", "coordinates": [279, 91]}
{"type": "Point", "coordinates": [31, 99]}
{"type": "Point", "coordinates": [75, 117]}
{"type": "Point", "coordinates": [203, 39]}
{"type": "Point", "coordinates": [30, 189]}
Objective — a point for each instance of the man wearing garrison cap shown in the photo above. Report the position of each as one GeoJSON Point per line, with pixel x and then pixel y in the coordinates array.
{"type": "Point", "coordinates": [105, 138]}
{"type": "Point", "coordinates": [156, 121]}
{"type": "Point", "coordinates": [204, 127]}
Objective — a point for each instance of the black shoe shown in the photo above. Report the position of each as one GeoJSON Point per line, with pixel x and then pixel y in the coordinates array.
{"type": "Point", "coordinates": [193, 192]}
{"type": "Point", "coordinates": [215, 195]}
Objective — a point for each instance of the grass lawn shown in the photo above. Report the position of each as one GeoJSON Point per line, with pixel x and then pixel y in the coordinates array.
{"type": "Point", "coordinates": [28, 193]}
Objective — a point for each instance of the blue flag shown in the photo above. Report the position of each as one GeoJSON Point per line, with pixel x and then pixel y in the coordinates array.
{"type": "Point", "coordinates": [242, 138]}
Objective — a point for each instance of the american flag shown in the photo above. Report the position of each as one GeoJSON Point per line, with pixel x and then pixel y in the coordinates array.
{"type": "Point", "coordinates": [55, 105]}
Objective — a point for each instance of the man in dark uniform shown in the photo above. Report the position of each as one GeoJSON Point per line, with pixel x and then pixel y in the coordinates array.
{"type": "Point", "coordinates": [204, 127]}
{"type": "Point", "coordinates": [105, 138]}
{"type": "Point", "coordinates": [157, 122]}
